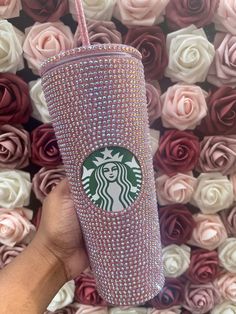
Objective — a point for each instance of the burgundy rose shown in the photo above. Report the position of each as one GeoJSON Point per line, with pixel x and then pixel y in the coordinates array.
{"type": "Point", "coordinates": [86, 291]}
{"type": "Point", "coordinates": [182, 13]}
{"type": "Point", "coordinates": [203, 266]}
{"type": "Point", "coordinates": [45, 151]}
{"type": "Point", "coordinates": [8, 253]}
{"type": "Point", "coordinates": [178, 152]}
{"type": "Point", "coordinates": [15, 106]}
{"type": "Point", "coordinates": [45, 10]}
{"type": "Point", "coordinates": [150, 41]}
{"type": "Point", "coordinates": [221, 118]}
{"type": "Point", "coordinates": [176, 224]}
{"type": "Point", "coordinates": [228, 218]}
{"type": "Point", "coordinates": [170, 295]}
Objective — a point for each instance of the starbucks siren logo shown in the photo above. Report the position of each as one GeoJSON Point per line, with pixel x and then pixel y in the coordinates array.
{"type": "Point", "coordinates": [112, 178]}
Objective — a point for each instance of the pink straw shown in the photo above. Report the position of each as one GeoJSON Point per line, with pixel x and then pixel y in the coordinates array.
{"type": "Point", "coordinates": [82, 23]}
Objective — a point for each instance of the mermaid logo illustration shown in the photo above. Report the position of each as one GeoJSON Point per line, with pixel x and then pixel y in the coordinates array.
{"type": "Point", "coordinates": [112, 178]}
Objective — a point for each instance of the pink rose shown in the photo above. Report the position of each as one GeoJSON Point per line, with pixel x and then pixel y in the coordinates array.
{"type": "Point", "coordinates": [46, 180]}
{"type": "Point", "coordinates": [8, 253]}
{"type": "Point", "coordinates": [228, 217]}
{"type": "Point", "coordinates": [15, 225]}
{"type": "Point", "coordinates": [183, 106]}
{"type": "Point", "coordinates": [37, 217]}
{"type": "Point", "coordinates": [100, 32]}
{"type": "Point", "coordinates": [209, 232]}
{"type": "Point", "coordinates": [14, 147]}
{"type": "Point", "coordinates": [46, 40]}
{"type": "Point", "coordinates": [200, 299]}
{"type": "Point", "coordinates": [223, 69]}
{"type": "Point", "coordinates": [176, 189]}
{"type": "Point", "coordinates": [153, 102]}
{"type": "Point", "coordinates": [225, 17]}
{"type": "Point", "coordinates": [227, 286]}
{"type": "Point", "coordinates": [10, 9]}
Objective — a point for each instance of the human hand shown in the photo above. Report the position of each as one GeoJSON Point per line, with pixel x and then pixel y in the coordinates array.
{"type": "Point", "coordinates": [59, 231]}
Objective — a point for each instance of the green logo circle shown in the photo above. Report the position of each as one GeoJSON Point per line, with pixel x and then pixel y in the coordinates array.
{"type": "Point", "coordinates": [112, 178]}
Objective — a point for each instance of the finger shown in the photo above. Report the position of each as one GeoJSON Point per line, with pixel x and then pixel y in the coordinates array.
{"type": "Point", "coordinates": [62, 187]}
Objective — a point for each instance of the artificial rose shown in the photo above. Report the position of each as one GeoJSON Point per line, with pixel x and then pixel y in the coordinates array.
{"type": "Point", "coordinates": [222, 70]}
{"type": "Point", "coordinates": [150, 41]}
{"type": "Point", "coordinates": [178, 152]}
{"type": "Point", "coordinates": [176, 189]}
{"type": "Point", "coordinates": [145, 13]}
{"type": "Point", "coordinates": [200, 299]}
{"type": "Point", "coordinates": [11, 40]}
{"type": "Point", "coordinates": [15, 225]}
{"type": "Point", "coordinates": [95, 9]}
{"type": "Point", "coordinates": [176, 224]}
{"type": "Point", "coordinates": [203, 266]}
{"type": "Point", "coordinates": [213, 193]}
{"type": "Point", "coordinates": [233, 180]}
{"type": "Point", "coordinates": [227, 286]}
{"type": "Point", "coordinates": [15, 187]}
{"type": "Point", "coordinates": [65, 310]}
{"type": "Point", "coordinates": [225, 307]}
{"type": "Point", "coordinates": [170, 295]}
{"type": "Point", "coordinates": [175, 259]}
{"type": "Point", "coordinates": [86, 291]}
{"type": "Point", "coordinates": [228, 217]}
{"type": "Point", "coordinates": [182, 13]}
{"type": "Point", "coordinates": [153, 102]}
{"type": "Point", "coordinates": [183, 106]}
{"type": "Point", "coordinates": [45, 180]}
{"type": "Point", "coordinates": [172, 310]}
{"type": "Point", "coordinates": [154, 140]}
{"type": "Point", "coordinates": [64, 297]}
{"type": "Point", "coordinates": [127, 310]}
{"type": "Point", "coordinates": [45, 150]}
{"type": "Point", "coordinates": [225, 17]}
{"type": "Point", "coordinates": [227, 255]}
{"type": "Point", "coordinates": [37, 217]}
{"type": "Point", "coordinates": [221, 118]}
{"type": "Point", "coordinates": [14, 147]}
{"type": "Point", "coordinates": [88, 309]}
{"type": "Point", "coordinates": [99, 32]}
{"type": "Point", "coordinates": [190, 55]}
{"type": "Point", "coordinates": [8, 253]}
{"type": "Point", "coordinates": [218, 154]}
{"type": "Point", "coordinates": [15, 106]}
{"type": "Point", "coordinates": [40, 108]}
{"type": "Point", "coordinates": [10, 9]}
{"type": "Point", "coordinates": [45, 10]}
{"type": "Point", "coordinates": [209, 232]}
{"type": "Point", "coordinates": [44, 41]}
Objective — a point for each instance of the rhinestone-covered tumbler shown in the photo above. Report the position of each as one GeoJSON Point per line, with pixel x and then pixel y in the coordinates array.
{"type": "Point", "coordinates": [97, 100]}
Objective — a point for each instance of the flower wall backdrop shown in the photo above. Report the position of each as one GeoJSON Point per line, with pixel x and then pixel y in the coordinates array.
{"type": "Point", "coordinates": [189, 57]}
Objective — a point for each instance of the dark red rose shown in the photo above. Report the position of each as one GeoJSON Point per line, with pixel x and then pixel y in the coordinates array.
{"type": "Point", "coordinates": [221, 118]}
{"type": "Point", "coordinates": [15, 105]}
{"type": "Point", "coordinates": [45, 10]}
{"type": "Point", "coordinates": [228, 217]}
{"type": "Point", "coordinates": [86, 291]}
{"type": "Point", "coordinates": [44, 146]}
{"type": "Point", "coordinates": [203, 266]}
{"type": "Point", "coordinates": [176, 224]}
{"type": "Point", "coordinates": [178, 152]}
{"type": "Point", "coordinates": [150, 41]}
{"type": "Point", "coordinates": [182, 13]}
{"type": "Point", "coordinates": [170, 295]}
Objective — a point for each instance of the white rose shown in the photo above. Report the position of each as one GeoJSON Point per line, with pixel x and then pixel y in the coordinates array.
{"type": "Point", "coordinates": [190, 55]}
{"type": "Point", "coordinates": [127, 310]}
{"type": "Point", "coordinates": [213, 193]}
{"type": "Point", "coordinates": [176, 259]}
{"type": "Point", "coordinates": [172, 310]}
{"type": "Point", "coordinates": [95, 9]}
{"type": "Point", "coordinates": [224, 308]}
{"type": "Point", "coordinates": [227, 254]}
{"type": "Point", "coordinates": [40, 109]}
{"type": "Point", "coordinates": [10, 8]}
{"type": "Point", "coordinates": [15, 187]}
{"type": "Point", "coordinates": [154, 137]}
{"type": "Point", "coordinates": [64, 297]}
{"type": "Point", "coordinates": [11, 53]}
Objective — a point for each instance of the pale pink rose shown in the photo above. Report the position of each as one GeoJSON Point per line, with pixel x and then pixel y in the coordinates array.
{"type": "Point", "coordinates": [176, 189]}
{"type": "Point", "coordinates": [172, 310]}
{"type": "Point", "coordinates": [223, 68]}
{"type": "Point", "coordinates": [127, 310]}
{"type": "Point", "coordinates": [44, 41]}
{"type": "Point", "coordinates": [46, 180]}
{"type": "Point", "coordinates": [8, 253]}
{"type": "Point", "coordinates": [183, 106]}
{"type": "Point", "coordinates": [142, 13]}
{"type": "Point", "coordinates": [88, 309]}
{"type": "Point", "coordinates": [154, 140]}
{"type": "Point", "coordinates": [15, 225]}
{"type": "Point", "coordinates": [153, 102]}
{"type": "Point", "coordinates": [10, 8]}
{"type": "Point", "coordinates": [225, 17]}
{"type": "Point", "coordinates": [227, 286]}
{"type": "Point", "coordinates": [227, 255]}
{"type": "Point", "coordinates": [209, 232]}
